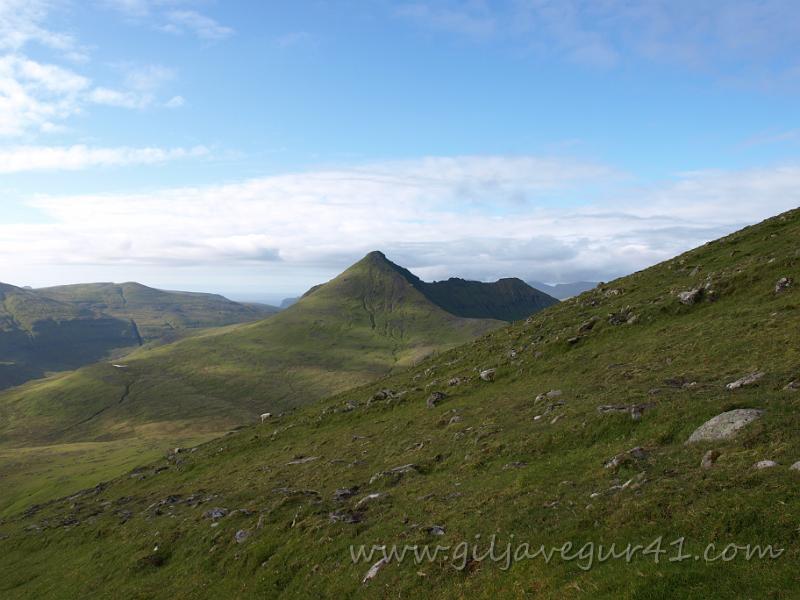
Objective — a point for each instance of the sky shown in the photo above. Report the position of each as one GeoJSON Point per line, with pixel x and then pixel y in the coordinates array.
{"type": "Point", "coordinates": [258, 148]}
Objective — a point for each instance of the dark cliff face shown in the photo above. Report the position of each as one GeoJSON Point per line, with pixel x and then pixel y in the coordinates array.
{"type": "Point", "coordinates": [507, 299]}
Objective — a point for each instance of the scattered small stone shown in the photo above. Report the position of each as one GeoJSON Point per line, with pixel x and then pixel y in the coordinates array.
{"type": "Point", "coordinates": [396, 472]}
{"type": "Point", "coordinates": [301, 460]}
{"type": "Point", "coordinates": [690, 297]}
{"type": "Point", "coordinates": [216, 513]}
{"type": "Point", "coordinates": [573, 340]}
{"type": "Point", "coordinates": [435, 530]}
{"type": "Point", "coordinates": [454, 381]}
{"type": "Point", "coordinates": [709, 458]}
{"type": "Point", "coordinates": [435, 398]}
{"type": "Point", "coordinates": [455, 419]}
{"type": "Point", "coordinates": [367, 499]}
{"type": "Point", "coordinates": [346, 516]}
{"type": "Point", "coordinates": [515, 465]}
{"type": "Point", "coordinates": [374, 569]}
{"type": "Point", "coordinates": [724, 426]}
{"type": "Point", "coordinates": [793, 386]}
{"type": "Point", "coordinates": [488, 374]}
{"type": "Point", "coordinates": [344, 493]}
{"type": "Point", "coordinates": [783, 284]}
{"type": "Point", "coordinates": [795, 466]}
{"type": "Point", "coordinates": [765, 464]}
{"type": "Point", "coordinates": [634, 454]}
{"type": "Point", "coordinates": [745, 381]}
{"type": "Point", "coordinates": [588, 325]}
{"type": "Point", "coordinates": [242, 535]}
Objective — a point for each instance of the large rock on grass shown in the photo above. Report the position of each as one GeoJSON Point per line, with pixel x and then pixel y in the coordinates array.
{"type": "Point", "coordinates": [724, 426]}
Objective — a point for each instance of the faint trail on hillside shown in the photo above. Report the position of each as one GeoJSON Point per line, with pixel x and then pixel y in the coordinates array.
{"type": "Point", "coordinates": [122, 399]}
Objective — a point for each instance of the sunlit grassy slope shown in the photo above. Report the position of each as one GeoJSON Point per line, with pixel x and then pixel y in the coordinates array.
{"type": "Point", "coordinates": [357, 327]}
{"type": "Point", "coordinates": [508, 464]}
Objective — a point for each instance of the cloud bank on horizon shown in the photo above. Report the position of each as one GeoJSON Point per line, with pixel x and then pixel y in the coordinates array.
{"type": "Point", "coordinates": [258, 146]}
{"type": "Point", "coordinates": [480, 217]}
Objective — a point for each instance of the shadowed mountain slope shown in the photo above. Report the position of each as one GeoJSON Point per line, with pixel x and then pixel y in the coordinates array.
{"type": "Point", "coordinates": [157, 313]}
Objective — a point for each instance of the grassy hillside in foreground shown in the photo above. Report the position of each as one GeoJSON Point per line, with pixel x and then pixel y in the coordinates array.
{"type": "Point", "coordinates": [355, 328]}
{"type": "Point", "coordinates": [489, 458]}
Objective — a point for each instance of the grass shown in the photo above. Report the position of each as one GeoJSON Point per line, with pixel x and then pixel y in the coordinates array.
{"type": "Point", "coordinates": [66, 327]}
{"type": "Point", "coordinates": [497, 471]}
{"type": "Point", "coordinates": [358, 327]}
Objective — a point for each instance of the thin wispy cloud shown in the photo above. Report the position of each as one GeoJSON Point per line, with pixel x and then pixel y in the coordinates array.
{"type": "Point", "coordinates": [19, 159]}
{"type": "Point", "coordinates": [736, 39]}
{"type": "Point", "coordinates": [190, 21]}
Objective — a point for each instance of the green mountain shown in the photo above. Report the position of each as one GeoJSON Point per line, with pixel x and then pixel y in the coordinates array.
{"type": "Point", "coordinates": [157, 313]}
{"type": "Point", "coordinates": [509, 299]}
{"type": "Point", "coordinates": [40, 334]}
{"type": "Point", "coordinates": [599, 424]}
{"type": "Point", "coordinates": [369, 321]}
{"type": "Point", "coordinates": [66, 327]}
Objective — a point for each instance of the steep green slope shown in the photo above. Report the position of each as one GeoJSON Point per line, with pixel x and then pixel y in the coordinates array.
{"type": "Point", "coordinates": [157, 313]}
{"type": "Point", "coordinates": [359, 326]}
{"type": "Point", "coordinates": [40, 334]}
{"type": "Point", "coordinates": [632, 368]}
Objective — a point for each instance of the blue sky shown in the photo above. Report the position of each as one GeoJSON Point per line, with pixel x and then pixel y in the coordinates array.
{"type": "Point", "coordinates": [257, 148]}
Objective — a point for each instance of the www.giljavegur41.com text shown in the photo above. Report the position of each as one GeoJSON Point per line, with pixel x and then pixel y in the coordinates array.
{"type": "Point", "coordinates": [585, 555]}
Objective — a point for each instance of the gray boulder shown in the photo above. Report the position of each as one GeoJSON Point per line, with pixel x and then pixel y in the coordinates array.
{"type": "Point", "coordinates": [488, 374]}
{"type": "Point", "coordinates": [745, 381]}
{"type": "Point", "coordinates": [724, 426]}
{"type": "Point", "coordinates": [795, 466]}
{"type": "Point", "coordinates": [765, 464]}
{"type": "Point", "coordinates": [691, 296]}
{"type": "Point", "coordinates": [435, 398]}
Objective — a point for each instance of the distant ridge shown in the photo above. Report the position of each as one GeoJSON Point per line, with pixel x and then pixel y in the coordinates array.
{"type": "Point", "coordinates": [563, 291]}
{"type": "Point", "coordinates": [373, 319]}
{"type": "Point", "coordinates": [66, 327]}
{"type": "Point", "coordinates": [508, 299]}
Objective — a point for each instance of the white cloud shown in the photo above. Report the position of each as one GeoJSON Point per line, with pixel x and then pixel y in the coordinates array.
{"type": "Point", "coordinates": [480, 217]}
{"type": "Point", "coordinates": [119, 98]}
{"type": "Point", "coordinates": [71, 158]}
{"type": "Point", "coordinates": [464, 18]}
{"type": "Point", "coordinates": [175, 102]}
{"type": "Point", "coordinates": [181, 21]}
{"type": "Point", "coordinates": [35, 95]}
{"type": "Point", "coordinates": [738, 37]}
{"type": "Point", "coordinates": [21, 23]}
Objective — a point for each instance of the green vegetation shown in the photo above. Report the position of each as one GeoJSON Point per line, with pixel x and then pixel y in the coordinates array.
{"type": "Point", "coordinates": [158, 314]}
{"type": "Point", "coordinates": [352, 330]}
{"type": "Point", "coordinates": [63, 328]}
{"type": "Point", "coordinates": [509, 464]}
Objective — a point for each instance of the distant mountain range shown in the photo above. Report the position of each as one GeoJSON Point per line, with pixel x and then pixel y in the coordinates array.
{"type": "Point", "coordinates": [65, 327]}
{"type": "Point", "coordinates": [373, 319]}
{"type": "Point", "coordinates": [562, 291]}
